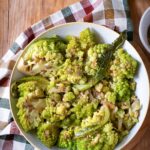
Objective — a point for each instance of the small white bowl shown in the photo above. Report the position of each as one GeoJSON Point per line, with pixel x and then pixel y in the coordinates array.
{"type": "Point", "coordinates": [143, 29]}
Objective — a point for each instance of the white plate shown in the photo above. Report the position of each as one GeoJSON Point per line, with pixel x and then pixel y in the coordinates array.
{"type": "Point", "coordinates": [107, 36]}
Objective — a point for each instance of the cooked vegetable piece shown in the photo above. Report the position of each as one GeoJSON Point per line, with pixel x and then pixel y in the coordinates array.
{"type": "Point", "coordinates": [91, 124]}
{"type": "Point", "coordinates": [55, 109]}
{"type": "Point", "coordinates": [123, 66]}
{"type": "Point", "coordinates": [48, 134]}
{"type": "Point", "coordinates": [31, 101]}
{"type": "Point", "coordinates": [39, 80]}
{"type": "Point", "coordinates": [82, 108]}
{"type": "Point", "coordinates": [65, 139]}
{"type": "Point", "coordinates": [103, 63]}
{"type": "Point", "coordinates": [105, 139]}
{"type": "Point", "coordinates": [42, 56]}
{"type": "Point", "coordinates": [94, 54]}
{"type": "Point", "coordinates": [29, 113]}
{"type": "Point", "coordinates": [87, 39]}
{"type": "Point", "coordinates": [123, 90]}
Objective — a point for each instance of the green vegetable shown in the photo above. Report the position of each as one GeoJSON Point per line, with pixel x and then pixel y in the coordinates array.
{"type": "Point", "coordinates": [30, 109]}
{"type": "Point", "coordinates": [74, 49]}
{"type": "Point", "coordinates": [31, 101]}
{"type": "Point", "coordinates": [94, 54]}
{"type": "Point", "coordinates": [48, 134]}
{"type": "Point", "coordinates": [72, 71]}
{"type": "Point", "coordinates": [83, 108]}
{"type": "Point", "coordinates": [43, 57]}
{"type": "Point", "coordinates": [25, 88]}
{"type": "Point", "coordinates": [42, 46]}
{"type": "Point", "coordinates": [122, 89]}
{"type": "Point", "coordinates": [123, 66]}
{"type": "Point", "coordinates": [55, 110]}
{"type": "Point", "coordinates": [111, 97]}
{"type": "Point", "coordinates": [105, 139]}
{"type": "Point", "coordinates": [80, 94]}
{"type": "Point", "coordinates": [87, 39]}
{"type": "Point", "coordinates": [91, 124]}
{"type": "Point", "coordinates": [65, 139]}
{"type": "Point", "coordinates": [103, 63]}
{"type": "Point", "coordinates": [68, 96]}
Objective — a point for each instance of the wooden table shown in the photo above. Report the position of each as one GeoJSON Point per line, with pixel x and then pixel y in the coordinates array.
{"type": "Point", "coordinates": [17, 15]}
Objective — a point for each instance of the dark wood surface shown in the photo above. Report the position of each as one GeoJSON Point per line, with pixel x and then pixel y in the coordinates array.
{"type": "Point", "coordinates": [17, 15]}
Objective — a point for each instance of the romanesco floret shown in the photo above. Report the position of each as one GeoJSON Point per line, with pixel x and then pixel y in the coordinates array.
{"type": "Point", "coordinates": [111, 97]}
{"type": "Point", "coordinates": [122, 89]}
{"type": "Point", "coordinates": [35, 84]}
{"type": "Point", "coordinates": [65, 139]}
{"type": "Point", "coordinates": [69, 96]}
{"type": "Point", "coordinates": [48, 134]}
{"type": "Point", "coordinates": [110, 137]}
{"type": "Point", "coordinates": [43, 57]}
{"type": "Point", "coordinates": [56, 87]}
{"type": "Point", "coordinates": [93, 56]}
{"type": "Point", "coordinates": [55, 109]}
{"type": "Point", "coordinates": [100, 117]}
{"type": "Point", "coordinates": [87, 39]}
{"type": "Point", "coordinates": [30, 108]}
{"type": "Point", "coordinates": [82, 108]}
{"type": "Point", "coordinates": [31, 101]}
{"type": "Point", "coordinates": [72, 71]}
{"type": "Point", "coordinates": [70, 120]}
{"type": "Point", "coordinates": [123, 66]}
{"type": "Point", "coordinates": [74, 49]}
{"type": "Point", "coordinates": [27, 87]}
{"type": "Point", "coordinates": [30, 112]}
{"type": "Point", "coordinates": [40, 48]}
{"type": "Point", "coordinates": [104, 138]}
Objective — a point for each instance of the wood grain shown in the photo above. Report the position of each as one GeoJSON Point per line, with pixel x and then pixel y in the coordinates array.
{"type": "Point", "coordinates": [17, 15]}
{"type": "Point", "coordinates": [3, 26]}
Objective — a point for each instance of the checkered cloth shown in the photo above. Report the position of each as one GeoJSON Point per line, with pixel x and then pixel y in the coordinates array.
{"type": "Point", "coordinates": [111, 13]}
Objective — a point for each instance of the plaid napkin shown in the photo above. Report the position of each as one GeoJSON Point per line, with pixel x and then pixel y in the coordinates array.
{"type": "Point", "coordinates": [111, 13]}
